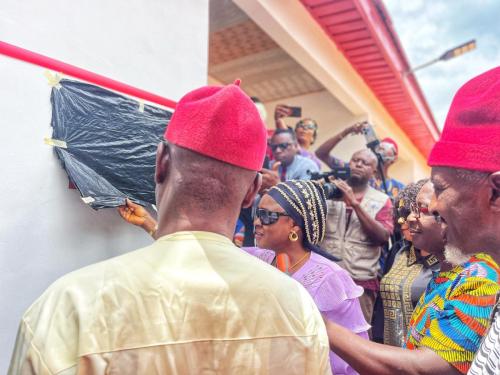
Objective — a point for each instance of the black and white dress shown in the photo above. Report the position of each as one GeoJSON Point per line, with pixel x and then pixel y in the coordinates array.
{"type": "Point", "coordinates": [487, 360]}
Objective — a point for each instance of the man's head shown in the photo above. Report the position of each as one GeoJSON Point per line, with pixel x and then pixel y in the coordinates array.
{"type": "Point", "coordinates": [466, 168]}
{"type": "Point", "coordinates": [363, 165]}
{"type": "Point", "coordinates": [284, 146]}
{"type": "Point", "coordinates": [215, 144]}
{"type": "Point", "coordinates": [388, 149]}
{"type": "Point", "coordinates": [188, 180]}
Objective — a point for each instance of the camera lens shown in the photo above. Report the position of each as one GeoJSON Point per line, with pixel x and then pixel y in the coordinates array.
{"type": "Point", "coordinates": [332, 191]}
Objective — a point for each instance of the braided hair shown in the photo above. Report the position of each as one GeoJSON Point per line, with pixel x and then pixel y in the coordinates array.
{"type": "Point", "coordinates": [406, 197]}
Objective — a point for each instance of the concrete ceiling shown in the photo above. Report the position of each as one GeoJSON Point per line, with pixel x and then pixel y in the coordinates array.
{"type": "Point", "coordinates": [238, 48]}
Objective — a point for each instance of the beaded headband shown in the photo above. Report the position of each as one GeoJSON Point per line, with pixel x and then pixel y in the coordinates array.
{"type": "Point", "coordinates": [305, 202]}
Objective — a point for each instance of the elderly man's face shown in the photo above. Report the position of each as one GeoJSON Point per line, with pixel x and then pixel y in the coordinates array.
{"type": "Point", "coordinates": [463, 205]}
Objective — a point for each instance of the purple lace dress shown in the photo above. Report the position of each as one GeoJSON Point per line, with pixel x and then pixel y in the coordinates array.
{"type": "Point", "coordinates": [334, 292]}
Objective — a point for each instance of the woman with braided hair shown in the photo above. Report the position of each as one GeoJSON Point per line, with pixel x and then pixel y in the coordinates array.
{"type": "Point", "coordinates": [291, 220]}
{"type": "Point", "coordinates": [407, 271]}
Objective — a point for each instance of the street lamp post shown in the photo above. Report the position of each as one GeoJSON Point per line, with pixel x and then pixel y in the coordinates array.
{"type": "Point", "coordinates": [451, 53]}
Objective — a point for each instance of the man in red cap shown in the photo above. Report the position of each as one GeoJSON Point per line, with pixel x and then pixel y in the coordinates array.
{"type": "Point", "coordinates": [192, 302]}
{"type": "Point", "coordinates": [466, 176]}
{"type": "Point", "coordinates": [388, 150]}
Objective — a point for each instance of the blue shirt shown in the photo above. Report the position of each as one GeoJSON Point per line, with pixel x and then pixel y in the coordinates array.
{"type": "Point", "coordinates": [297, 170]}
{"type": "Point", "coordinates": [393, 186]}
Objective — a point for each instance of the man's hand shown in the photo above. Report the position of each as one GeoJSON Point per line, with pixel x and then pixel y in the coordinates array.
{"type": "Point", "coordinates": [270, 177]}
{"type": "Point", "coordinates": [375, 231]}
{"type": "Point", "coordinates": [354, 129]}
{"type": "Point", "coordinates": [347, 193]}
{"type": "Point", "coordinates": [136, 214]}
{"type": "Point", "coordinates": [133, 213]}
{"type": "Point", "coordinates": [281, 111]}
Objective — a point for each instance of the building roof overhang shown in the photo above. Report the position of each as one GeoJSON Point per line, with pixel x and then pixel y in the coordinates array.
{"type": "Point", "coordinates": [363, 32]}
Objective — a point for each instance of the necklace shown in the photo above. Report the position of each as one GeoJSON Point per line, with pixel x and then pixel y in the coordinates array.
{"type": "Point", "coordinates": [300, 260]}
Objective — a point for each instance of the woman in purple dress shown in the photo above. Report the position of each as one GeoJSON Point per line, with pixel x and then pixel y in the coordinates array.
{"type": "Point", "coordinates": [291, 219]}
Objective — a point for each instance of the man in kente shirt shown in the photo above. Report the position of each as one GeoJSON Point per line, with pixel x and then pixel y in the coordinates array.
{"type": "Point", "coordinates": [454, 314]}
{"type": "Point", "coordinates": [191, 303]}
{"type": "Point", "coordinates": [466, 176]}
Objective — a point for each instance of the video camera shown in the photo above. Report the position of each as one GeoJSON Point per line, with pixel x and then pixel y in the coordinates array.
{"type": "Point", "coordinates": [331, 191]}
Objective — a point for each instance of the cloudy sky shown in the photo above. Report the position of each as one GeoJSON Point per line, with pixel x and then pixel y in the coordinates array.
{"type": "Point", "coordinates": [427, 28]}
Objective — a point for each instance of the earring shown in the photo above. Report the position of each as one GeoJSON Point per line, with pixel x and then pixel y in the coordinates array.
{"type": "Point", "coordinates": [293, 236]}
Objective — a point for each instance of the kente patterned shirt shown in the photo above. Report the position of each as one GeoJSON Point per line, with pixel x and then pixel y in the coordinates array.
{"type": "Point", "coordinates": [453, 315]}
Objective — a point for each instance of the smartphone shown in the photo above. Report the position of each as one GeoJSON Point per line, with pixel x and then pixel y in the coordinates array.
{"type": "Point", "coordinates": [371, 138]}
{"type": "Point", "coordinates": [295, 111]}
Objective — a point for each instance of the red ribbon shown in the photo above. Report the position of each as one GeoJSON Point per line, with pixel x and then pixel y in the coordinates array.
{"type": "Point", "coordinates": [82, 74]}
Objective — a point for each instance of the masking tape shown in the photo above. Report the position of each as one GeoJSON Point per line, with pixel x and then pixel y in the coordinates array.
{"type": "Point", "coordinates": [55, 142]}
{"type": "Point", "coordinates": [53, 79]}
{"type": "Point", "coordinates": [141, 106]}
{"type": "Point", "coordinates": [88, 200]}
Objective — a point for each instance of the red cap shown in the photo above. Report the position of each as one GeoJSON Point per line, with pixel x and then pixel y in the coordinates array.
{"type": "Point", "coordinates": [392, 142]}
{"type": "Point", "coordinates": [221, 122]}
{"type": "Point", "coordinates": [471, 133]}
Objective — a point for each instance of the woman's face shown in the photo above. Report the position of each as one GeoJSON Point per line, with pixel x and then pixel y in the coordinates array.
{"type": "Point", "coordinates": [425, 230]}
{"type": "Point", "coordinates": [304, 132]}
{"type": "Point", "coordinates": [273, 236]}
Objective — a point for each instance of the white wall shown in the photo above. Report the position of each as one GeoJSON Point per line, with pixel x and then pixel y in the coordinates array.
{"type": "Point", "coordinates": [45, 229]}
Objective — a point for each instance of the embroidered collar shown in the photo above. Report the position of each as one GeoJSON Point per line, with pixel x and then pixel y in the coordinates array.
{"type": "Point", "coordinates": [415, 257]}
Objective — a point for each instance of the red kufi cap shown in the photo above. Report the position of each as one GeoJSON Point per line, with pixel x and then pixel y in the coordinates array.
{"type": "Point", "coordinates": [392, 142]}
{"type": "Point", "coordinates": [221, 122]}
{"type": "Point", "coordinates": [471, 133]}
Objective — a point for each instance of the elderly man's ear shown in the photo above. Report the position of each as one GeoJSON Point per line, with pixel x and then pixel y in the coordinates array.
{"type": "Point", "coordinates": [162, 159]}
{"type": "Point", "coordinates": [494, 182]}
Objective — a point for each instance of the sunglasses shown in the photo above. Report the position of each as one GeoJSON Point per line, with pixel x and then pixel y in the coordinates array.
{"type": "Point", "coordinates": [267, 217]}
{"type": "Point", "coordinates": [306, 126]}
{"type": "Point", "coordinates": [282, 146]}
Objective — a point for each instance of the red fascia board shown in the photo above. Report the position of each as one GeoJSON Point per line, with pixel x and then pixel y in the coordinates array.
{"type": "Point", "coordinates": [353, 53]}
{"type": "Point", "coordinates": [315, 3]}
{"type": "Point", "coordinates": [358, 45]}
{"type": "Point", "coordinates": [351, 15]}
{"type": "Point", "coordinates": [354, 35]}
{"type": "Point", "coordinates": [332, 8]}
{"type": "Point", "coordinates": [397, 61]}
{"type": "Point", "coordinates": [346, 27]}
{"type": "Point", "coordinates": [375, 56]}
{"type": "Point", "coordinates": [380, 63]}
{"type": "Point", "coordinates": [382, 40]}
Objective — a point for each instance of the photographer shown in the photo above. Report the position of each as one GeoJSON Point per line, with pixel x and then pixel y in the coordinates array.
{"type": "Point", "coordinates": [358, 225]}
{"type": "Point", "coordinates": [387, 149]}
